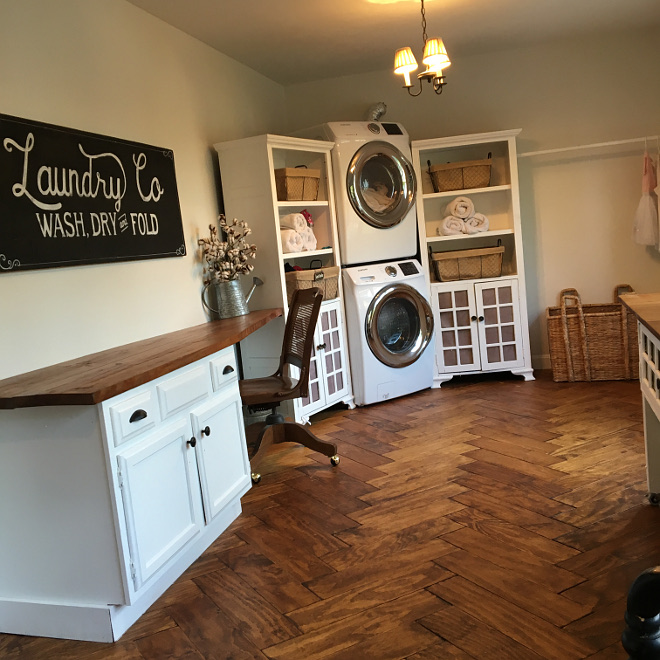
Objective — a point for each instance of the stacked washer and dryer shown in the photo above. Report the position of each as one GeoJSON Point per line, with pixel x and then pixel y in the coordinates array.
{"type": "Point", "coordinates": [388, 318]}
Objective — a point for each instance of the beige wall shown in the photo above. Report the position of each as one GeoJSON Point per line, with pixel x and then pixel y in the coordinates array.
{"type": "Point", "coordinates": [108, 67]}
{"type": "Point", "coordinates": [577, 208]}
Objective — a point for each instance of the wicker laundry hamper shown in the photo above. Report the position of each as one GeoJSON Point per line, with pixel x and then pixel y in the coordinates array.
{"type": "Point", "coordinates": [592, 342]}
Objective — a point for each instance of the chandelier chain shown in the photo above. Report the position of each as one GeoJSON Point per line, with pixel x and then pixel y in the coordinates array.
{"type": "Point", "coordinates": [424, 36]}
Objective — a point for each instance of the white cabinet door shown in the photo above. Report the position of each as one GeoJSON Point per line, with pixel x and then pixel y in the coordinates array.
{"type": "Point", "coordinates": [316, 396]}
{"type": "Point", "coordinates": [224, 468]}
{"type": "Point", "coordinates": [498, 314]}
{"type": "Point", "coordinates": [161, 498]}
{"type": "Point", "coordinates": [328, 373]}
{"type": "Point", "coordinates": [457, 338]}
{"type": "Point", "coordinates": [478, 326]}
{"type": "Point", "coordinates": [333, 351]}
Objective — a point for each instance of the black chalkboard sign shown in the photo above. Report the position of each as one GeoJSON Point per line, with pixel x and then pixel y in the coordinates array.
{"type": "Point", "coordinates": [68, 197]}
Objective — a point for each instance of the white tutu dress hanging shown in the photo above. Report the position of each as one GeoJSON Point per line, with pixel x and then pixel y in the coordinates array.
{"type": "Point", "coordinates": [645, 229]}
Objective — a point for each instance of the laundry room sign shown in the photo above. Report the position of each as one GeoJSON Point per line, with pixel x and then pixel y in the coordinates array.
{"type": "Point", "coordinates": [69, 197]}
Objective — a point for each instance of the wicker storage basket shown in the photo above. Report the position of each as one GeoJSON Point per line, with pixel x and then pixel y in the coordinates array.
{"type": "Point", "coordinates": [326, 279]}
{"type": "Point", "coordinates": [460, 176]}
{"type": "Point", "coordinates": [592, 342]}
{"type": "Point", "coordinates": [468, 264]}
{"type": "Point", "coordinates": [297, 184]}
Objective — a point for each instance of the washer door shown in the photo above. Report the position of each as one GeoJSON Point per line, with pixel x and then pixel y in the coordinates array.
{"type": "Point", "coordinates": [381, 184]}
{"type": "Point", "coordinates": [398, 325]}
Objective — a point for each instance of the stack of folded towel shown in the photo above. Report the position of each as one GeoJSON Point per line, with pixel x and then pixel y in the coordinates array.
{"type": "Point", "coordinates": [461, 218]}
{"type": "Point", "coordinates": [296, 234]}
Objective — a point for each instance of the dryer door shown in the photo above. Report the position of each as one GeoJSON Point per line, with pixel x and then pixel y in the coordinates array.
{"type": "Point", "coordinates": [381, 184]}
{"type": "Point", "coordinates": [398, 325]}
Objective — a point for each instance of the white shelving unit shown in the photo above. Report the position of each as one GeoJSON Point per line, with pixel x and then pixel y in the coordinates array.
{"type": "Point", "coordinates": [481, 325]}
{"type": "Point", "coordinates": [247, 171]}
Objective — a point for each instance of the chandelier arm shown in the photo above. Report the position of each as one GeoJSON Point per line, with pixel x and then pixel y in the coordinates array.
{"type": "Point", "coordinates": [420, 89]}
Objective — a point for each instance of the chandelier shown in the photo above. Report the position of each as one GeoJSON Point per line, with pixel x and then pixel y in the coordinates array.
{"type": "Point", "coordinates": [435, 58]}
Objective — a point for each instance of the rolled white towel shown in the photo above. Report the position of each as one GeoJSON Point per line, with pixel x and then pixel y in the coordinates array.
{"type": "Point", "coordinates": [451, 225]}
{"type": "Point", "coordinates": [461, 207]}
{"type": "Point", "coordinates": [477, 223]}
{"type": "Point", "coordinates": [308, 239]}
{"type": "Point", "coordinates": [295, 221]}
{"type": "Point", "coordinates": [292, 241]}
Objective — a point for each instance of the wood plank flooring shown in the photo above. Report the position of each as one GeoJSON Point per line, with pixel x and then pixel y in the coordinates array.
{"type": "Point", "coordinates": [492, 519]}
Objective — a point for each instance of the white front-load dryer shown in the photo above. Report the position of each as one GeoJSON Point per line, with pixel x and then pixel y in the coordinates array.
{"type": "Point", "coordinates": [390, 326]}
{"type": "Point", "coordinates": [375, 187]}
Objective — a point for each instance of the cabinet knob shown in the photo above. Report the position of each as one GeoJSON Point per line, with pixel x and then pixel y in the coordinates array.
{"type": "Point", "coordinates": [476, 318]}
{"type": "Point", "coordinates": [227, 370]}
{"type": "Point", "coordinates": [473, 318]}
{"type": "Point", "coordinates": [321, 347]}
{"type": "Point", "coordinates": [192, 442]}
{"type": "Point", "coordinates": [481, 318]}
{"type": "Point", "coordinates": [138, 415]}
{"type": "Point", "coordinates": [206, 430]}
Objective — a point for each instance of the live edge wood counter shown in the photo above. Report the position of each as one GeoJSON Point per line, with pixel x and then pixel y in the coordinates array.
{"type": "Point", "coordinates": [94, 378]}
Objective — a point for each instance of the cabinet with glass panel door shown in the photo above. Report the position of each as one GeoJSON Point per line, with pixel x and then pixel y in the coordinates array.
{"type": "Point", "coordinates": [253, 190]}
{"type": "Point", "coordinates": [481, 317]}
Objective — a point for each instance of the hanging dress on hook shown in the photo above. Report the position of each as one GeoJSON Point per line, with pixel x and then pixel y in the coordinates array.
{"type": "Point", "coordinates": [645, 229]}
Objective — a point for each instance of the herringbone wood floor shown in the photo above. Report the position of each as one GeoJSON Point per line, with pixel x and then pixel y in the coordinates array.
{"type": "Point", "coordinates": [492, 519]}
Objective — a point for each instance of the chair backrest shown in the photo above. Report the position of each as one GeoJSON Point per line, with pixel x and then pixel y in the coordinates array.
{"type": "Point", "coordinates": [299, 334]}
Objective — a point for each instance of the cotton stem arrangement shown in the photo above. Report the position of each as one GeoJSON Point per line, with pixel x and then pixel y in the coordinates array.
{"type": "Point", "coordinates": [227, 259]}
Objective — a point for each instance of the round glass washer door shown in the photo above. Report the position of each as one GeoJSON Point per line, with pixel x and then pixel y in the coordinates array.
{"type": "Point", "coordinates": [381, 184]}
{"type": "Point", "coordinates": [398, 325]}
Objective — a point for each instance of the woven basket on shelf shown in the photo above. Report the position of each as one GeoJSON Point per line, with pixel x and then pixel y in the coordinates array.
{"type": "Point", "coordinates": [326, 279]}
{"type": "Point", "coordinates": [592, 342]}
{"type": "Point", "coordinates": [468, 264]}
{"type": "Point", "coordinates": [297, 184]}
{"type": "Point", "coordinates": [460, 176]}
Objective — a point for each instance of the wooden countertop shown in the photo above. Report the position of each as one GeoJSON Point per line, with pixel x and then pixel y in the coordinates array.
{"type": "Point", "coordinates": [646, 306]}
{"type": "Point", "coordinates": [94, 378]}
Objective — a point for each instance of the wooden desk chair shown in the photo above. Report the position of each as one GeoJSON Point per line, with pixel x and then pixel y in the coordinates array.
{"type": "Point", "coordinates": [260, 394]}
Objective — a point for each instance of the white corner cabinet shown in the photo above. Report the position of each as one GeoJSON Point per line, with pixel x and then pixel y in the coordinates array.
{"type": "Point", "coordinates": [117, 471]}
{"type": "Point", "coordinates": [481, 324]}
{"type": "Point", "coordinates": [247, 172]}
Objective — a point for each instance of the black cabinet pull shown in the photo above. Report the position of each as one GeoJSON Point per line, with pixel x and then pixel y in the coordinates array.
{"type": "Point", "coordinates": [473, 318]}
{"type": "Point", "coordinates": [320, 346]}
{"type": "Point", "coordinates": [228, 370]}
{"type": "Point", "coordinates": [138, 415]}
{"type": "Point", "coordinates": [192, 442]}
{"type": "Point", "coordinates": [481, 318]}
{"type": "Point", "coordinates": [206, 430]}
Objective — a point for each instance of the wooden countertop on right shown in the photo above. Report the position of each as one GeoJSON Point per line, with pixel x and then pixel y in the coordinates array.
{"type": "Point", "coordinates": [646, 306]}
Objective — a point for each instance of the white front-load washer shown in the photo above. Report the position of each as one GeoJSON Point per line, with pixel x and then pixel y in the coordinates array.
{"type": "Point", "coordinates": [375, 187]}
{"type": "Point", "coordinates": [390, 325]}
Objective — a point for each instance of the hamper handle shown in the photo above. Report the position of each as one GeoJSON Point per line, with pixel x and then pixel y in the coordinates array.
{"type": "Point", "coordinates": [312, 266]}
{"type": "Point", "coordinates": [572, 294]}
{"type": "Point", "coordinates": [618, 290]}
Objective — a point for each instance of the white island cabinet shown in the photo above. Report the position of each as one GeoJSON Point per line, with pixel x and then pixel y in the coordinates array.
{"type": "Point", "coordinates": [106, 500]}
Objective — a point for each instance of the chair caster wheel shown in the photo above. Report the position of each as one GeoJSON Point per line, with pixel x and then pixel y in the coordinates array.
{"type": "Point", "coordinates": [654, 498]}
{"type": "Point", "coordinates": [256, 477]}
{"type": "Point", "coordinates": [334, 459]}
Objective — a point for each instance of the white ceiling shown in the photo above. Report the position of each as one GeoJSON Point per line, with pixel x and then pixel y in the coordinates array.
{"type": "Point", "coordinates": [293, 41]}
